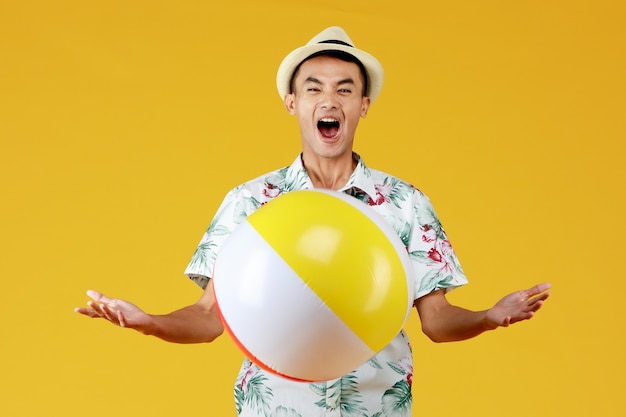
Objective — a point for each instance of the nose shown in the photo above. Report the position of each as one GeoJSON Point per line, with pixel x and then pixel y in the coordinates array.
{"type": "Point", "coordinates": [329, 101]}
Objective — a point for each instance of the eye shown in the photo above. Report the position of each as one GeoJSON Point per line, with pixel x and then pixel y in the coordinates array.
{"type": "Point", "coordinates": [345, 91]}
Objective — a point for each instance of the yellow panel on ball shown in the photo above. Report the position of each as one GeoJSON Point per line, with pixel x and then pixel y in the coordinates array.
{"type": "Point", "coordinates": [347, 254]}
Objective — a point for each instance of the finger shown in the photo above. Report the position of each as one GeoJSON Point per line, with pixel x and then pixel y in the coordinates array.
{"type": "Point", "coordinates": [110, 314]}
{"type": "Point", "coordinates": [121, 319]}
{"type": "Point", "coordinates": [536, 306]}
{"type": "Point", "coordinates": [536, 302]}
{"type": "Point", "coordinates": [95, 307]}
{"type": "Point", "coordinates": [538, 289]}
{"type": "Point", "coordinates": [99, 297]}
{"type": "Point", "coordinates": [100, 310]}
{"type": "Point", "coordinates": [542, 297]}
{"type": "Point", "coordinates": [86, 312]}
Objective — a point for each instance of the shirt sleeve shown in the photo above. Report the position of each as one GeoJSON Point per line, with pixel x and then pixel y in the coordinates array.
{"type": "Point", "coordinates": [228, 217]}
{"type": "Point", "coordinates": [435, 264]}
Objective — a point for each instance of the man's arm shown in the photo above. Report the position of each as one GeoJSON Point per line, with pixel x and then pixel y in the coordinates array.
{"type": "Point", "coordinates": [444, 322]}
{"type": "Point", "coordinates": [196, 323]}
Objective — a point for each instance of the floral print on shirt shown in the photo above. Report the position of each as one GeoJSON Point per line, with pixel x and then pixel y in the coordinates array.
{"type": "Point", "coordinates": [381, 386]}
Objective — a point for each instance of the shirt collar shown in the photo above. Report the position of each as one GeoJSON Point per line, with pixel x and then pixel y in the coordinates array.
{"type": "Point", "coordinates": [360, 180]}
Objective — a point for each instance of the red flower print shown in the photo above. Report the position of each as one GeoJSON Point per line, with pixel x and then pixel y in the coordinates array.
{"type": "Point", "coordinates": [406, 365]}
{"type": "Point", "coordinates": [382, 194]}
{"type": "Point", "coordinates": [446, 248]}
{"type": "Point", "coordinates": [380, 199]}
{"type": "Point", "coordinates": [430, 235]}
{"type": "Point", "coordinates": [441, 254]}
{"type": "Point", "coordinates": [250, 372]}
{"type": "Point", "coordinates": [435, 255]}
{"type": "Point", "coordinates": [270, 191]}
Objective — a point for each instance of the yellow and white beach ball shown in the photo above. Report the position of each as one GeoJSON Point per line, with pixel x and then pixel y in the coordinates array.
{"type": "Point", "coordinates": [313, 284]}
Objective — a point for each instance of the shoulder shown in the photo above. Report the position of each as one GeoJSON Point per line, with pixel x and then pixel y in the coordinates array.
{"type": "Point", "coordinates": [252, 194]}
{"type": "Point", "coordinates": [384, 180]}
{"type": "Point", "coordinates": [268, 181]}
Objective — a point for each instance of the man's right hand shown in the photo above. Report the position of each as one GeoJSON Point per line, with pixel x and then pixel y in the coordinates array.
{"type": "Point", "coordinates": [119, 312]}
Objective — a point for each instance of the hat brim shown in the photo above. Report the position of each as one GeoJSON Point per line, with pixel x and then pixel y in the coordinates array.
{"type": "Point", "coordinates": [373, 68]}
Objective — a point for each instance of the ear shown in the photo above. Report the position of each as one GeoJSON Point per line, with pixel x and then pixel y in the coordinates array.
{"type": "Point", "coordinates": [365, 105]}
{"type": "Point", "coordinates": [290, 103]}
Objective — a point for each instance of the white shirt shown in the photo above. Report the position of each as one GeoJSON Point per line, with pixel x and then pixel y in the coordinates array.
{"type": "Point", "coordinates": [381, 386]}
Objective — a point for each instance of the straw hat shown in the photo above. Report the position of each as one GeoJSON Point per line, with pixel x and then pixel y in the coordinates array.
{"type": "Point", "coordinates": [331, 39]}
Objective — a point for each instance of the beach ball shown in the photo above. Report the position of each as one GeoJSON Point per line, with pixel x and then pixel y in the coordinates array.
{"type": "Point", "coordinates": [312, 285]}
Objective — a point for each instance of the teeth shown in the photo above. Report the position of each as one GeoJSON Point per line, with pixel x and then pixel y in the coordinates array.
{"type": "Point", "coordinates": [328, 120]}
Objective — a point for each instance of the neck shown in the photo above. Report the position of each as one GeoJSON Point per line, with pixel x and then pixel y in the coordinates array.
{"type": "Point", "coordinates": [330, 173]}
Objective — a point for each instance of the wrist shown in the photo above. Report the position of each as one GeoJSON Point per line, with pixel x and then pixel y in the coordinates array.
{"type": "Point", "coordinates": [489, 323]}
{"type": "Point", "coordinates": [150, 327]}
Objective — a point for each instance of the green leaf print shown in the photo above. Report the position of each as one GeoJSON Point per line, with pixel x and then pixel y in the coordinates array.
{"type": "Point", "coordinates": [257, 395]}
{"type": "Point", "coordinates": [342, 393]}
{"type": "Point", "coordinates": [238, 397]}
{"type": "Point", "coordinates": [447, 282]}
{"type": "Point", "coordinates": [253, 204]}
{"type": "Point", "coordinates": [420, 256]}
{"type": "Point", "coordinates": [239, 213]}
{"type": "Point", "coordinates": [430, 280]}
{"type": "Point", "coordinates": [215, 228]}
{"type": "Point", "coordinates": [396, 368]}
{"type": "Point", "coordinates": [366, 171]}
{"type": "Point", "coordinates": [397, 400]}
{"type": "Point", "coordinates": [375, 363]}
{"type": "Point", "coordinates": [358, 194]}
{"type": "Point", "coordinates": [297, 181]}
{"type": "Point", "coordinates": [399, 191]}
{"type": "Point", "coordinates": [457, 265]}
{"type": "Point", "coordinates": [426, 216]}
{"type": "Point", "coordinates": [402, 229]}
{"type": "Point", "coordinates": [206, 253]}
{"type": "Point", "coordinates": [203, 256]}
{"type": "Point", "coordinates": [285, 412]}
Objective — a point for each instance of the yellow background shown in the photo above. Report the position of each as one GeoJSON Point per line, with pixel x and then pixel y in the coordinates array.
{"type": "Point", "coordinates": [123, 124]}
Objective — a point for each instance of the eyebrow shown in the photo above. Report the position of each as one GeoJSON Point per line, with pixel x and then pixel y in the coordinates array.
{"type": "Point", "coordinates": [341, 82]}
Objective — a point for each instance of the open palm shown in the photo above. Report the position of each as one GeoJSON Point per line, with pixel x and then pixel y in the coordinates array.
{"type": "Point", "coordinates": [119, 312]}
{"type": "Point", "coordinates": [518, 306]}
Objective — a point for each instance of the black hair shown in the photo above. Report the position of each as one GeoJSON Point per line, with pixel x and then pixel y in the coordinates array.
{"type": "Point", "coordinates": [344, 56]}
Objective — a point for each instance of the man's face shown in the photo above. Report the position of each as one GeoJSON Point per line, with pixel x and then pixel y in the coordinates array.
{"type": "Point", "coordinates": [328, 102]}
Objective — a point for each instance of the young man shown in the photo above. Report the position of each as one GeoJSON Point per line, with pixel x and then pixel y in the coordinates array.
{"type": "Point", "coordinates": [329, 85]}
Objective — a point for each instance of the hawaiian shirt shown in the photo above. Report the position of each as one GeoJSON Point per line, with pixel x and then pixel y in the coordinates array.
{"type": "Point", "coordinates": [381, 386]}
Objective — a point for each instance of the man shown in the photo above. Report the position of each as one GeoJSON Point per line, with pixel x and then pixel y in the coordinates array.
{"type": "Point", "coordinates": [329, 85]}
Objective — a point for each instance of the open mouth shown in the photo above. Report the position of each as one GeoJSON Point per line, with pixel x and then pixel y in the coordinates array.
{"type": "Point", "coordinates": [328, 127]}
